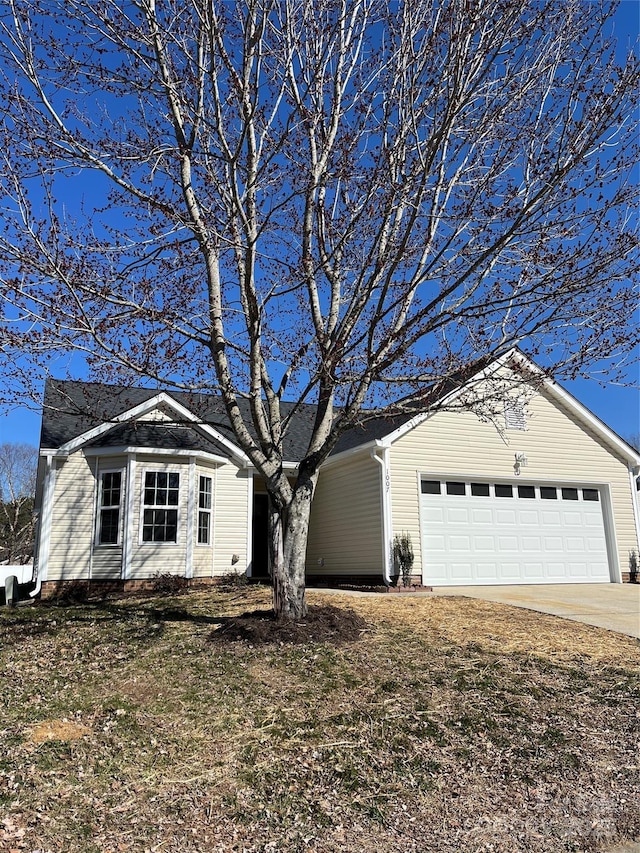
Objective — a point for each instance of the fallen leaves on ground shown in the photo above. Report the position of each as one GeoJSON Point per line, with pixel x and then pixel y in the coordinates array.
{"type": "Point", "coordinates": [422, 725]}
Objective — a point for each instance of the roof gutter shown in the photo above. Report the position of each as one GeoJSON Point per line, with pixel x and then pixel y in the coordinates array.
{"type": "Point", "coordinates": [385, 494]}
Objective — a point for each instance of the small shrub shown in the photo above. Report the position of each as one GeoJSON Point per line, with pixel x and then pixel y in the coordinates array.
{"type": "Point", "coordinates": [232, 579]}
{"type": "Point", "coordinates": [633, 567]}
{"type": "Point", "coordinates": [165, 583]}
{"type": "Point", "coordinates": [403, 556]}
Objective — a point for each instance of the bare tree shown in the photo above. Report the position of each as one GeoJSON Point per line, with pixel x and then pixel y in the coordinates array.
{"type": "Point", "coordinates": [344, 202]}
{"type": "Point", "coordinates": [634, 440]}
{"type": "Point", "coordinates": [17, 490]}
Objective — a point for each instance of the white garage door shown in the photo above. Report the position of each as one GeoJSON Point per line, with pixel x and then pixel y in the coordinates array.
{"type": "Point", "coordinates": [492, 533]}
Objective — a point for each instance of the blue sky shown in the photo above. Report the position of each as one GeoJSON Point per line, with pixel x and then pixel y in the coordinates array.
{"type": "Point", "coordinates": [617, 406]}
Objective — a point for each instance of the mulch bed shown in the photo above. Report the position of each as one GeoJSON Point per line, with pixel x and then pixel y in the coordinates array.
{"type": "Point", "coordinates": [322, 624]}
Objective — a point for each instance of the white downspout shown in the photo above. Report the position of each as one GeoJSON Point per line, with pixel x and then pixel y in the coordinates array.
{"type": "Point", "coordinates": [385, 493]}
{"type": "Point", "coordinates": [95, 522]}
{"type": "Point", "coordinates": [45, 525]}
{"type": "Point", "coordinates": [635, 503]}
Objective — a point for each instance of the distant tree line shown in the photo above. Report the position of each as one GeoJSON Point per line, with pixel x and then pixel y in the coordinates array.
{"type": "Point", "coordinates": [18, 463]}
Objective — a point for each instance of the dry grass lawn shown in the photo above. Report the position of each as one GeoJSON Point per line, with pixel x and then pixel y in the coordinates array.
{"type": "Point", "coordinates": [447, 725]}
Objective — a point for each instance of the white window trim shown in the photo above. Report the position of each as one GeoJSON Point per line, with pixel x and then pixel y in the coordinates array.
{"type": "Point", "coordinates": [199, 509]}
{"type": "Point", "coordinates": [160, 469]}
{"type": "Point", "coordinates": [191, 487]}
{"type": "Point", "coordinates": [129, 509]}
{"type": "Point", "coordinates": [99, 507]}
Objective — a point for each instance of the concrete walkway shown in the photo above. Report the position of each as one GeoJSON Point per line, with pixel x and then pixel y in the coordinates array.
{"type": "Point", "coordinates": [613, 606]}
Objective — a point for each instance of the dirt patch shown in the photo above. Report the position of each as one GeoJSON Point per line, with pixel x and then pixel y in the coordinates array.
{"type": "Point", "coordinates": [323, 624]}
{"type": "Point", "coordinates": [59, 730]}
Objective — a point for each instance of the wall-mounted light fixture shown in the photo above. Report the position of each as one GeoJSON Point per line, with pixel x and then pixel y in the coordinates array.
{"type": "Point", "coordinates": [521, 462]}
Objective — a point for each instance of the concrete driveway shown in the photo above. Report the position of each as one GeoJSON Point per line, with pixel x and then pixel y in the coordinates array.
{"type": "Point", "coordinates": [614, 606]}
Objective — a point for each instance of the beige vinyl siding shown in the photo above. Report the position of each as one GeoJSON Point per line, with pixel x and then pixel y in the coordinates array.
{"type": "Point", "coordinates": [72, 528]}
{"type": "Point", "coordinates": [230, 526]}
{"type": "Point", "coordinates": [346, 519]}
{"type": "Point", "coordinates": [557, 446]}
{"type": "Point", "coordinates": [149, 559]}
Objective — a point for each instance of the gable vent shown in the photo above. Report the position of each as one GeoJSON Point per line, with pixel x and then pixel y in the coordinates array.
{"type": "Point", "coordinates": [514, 414]}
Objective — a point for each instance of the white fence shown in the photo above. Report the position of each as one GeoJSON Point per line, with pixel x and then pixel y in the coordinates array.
{"type": "Point", "coordinates": [23, 573]}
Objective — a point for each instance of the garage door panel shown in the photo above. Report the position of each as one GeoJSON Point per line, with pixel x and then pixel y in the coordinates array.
{"type": "Point", "coordinates": [487, 571]}
{"type": "Point", "coordinates": [458, 515]}
{"type": "Point", "coordinates": [439, 571]}
{"type": "Point", "coordinates": [433, 514]}
{"type": "Point", "coordinates": [556, 571]}
{"type": "Point", "coordinates": [481, 516]}
{"type": "Point", "coordinates": [533, 571]}
{"type": "Point", "coordinates": [487, 539]}
{"type": "Point", "coordinates": [528, 518]}
{"type": "Point", "coordinates": [578, 568]}
{"type": "Point", "coordinates": [483, 544]}
{"type": "Point", "coordinates": [460, 544]}
{"type": "Point", "coordinates": [509, 572]}
{"type": "Point", "coordinates": [572, 518]}
{"type": "Point", "coordinates": [462, 571]}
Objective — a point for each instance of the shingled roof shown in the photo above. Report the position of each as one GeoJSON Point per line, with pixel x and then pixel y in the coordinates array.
{"type": "Point", "coordinates": [72, 408]}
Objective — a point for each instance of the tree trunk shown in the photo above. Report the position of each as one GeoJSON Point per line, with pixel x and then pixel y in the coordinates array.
{"type": "Point", "coordinates": [288, 534]}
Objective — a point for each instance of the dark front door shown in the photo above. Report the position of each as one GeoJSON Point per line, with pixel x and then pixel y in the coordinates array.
{"type": "Point", "coordinates": [260, 537]}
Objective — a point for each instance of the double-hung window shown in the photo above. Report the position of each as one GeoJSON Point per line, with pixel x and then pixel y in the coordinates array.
{"type": "Point", "coordinates": [109, 501]}
{"type": "Point", "coordinates": [160, 506]}
{"type": "Point", "coordinates": [204, 511]}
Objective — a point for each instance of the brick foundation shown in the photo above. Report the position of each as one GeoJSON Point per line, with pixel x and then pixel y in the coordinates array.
{"type": "Point", "coordinates": [79, 589]}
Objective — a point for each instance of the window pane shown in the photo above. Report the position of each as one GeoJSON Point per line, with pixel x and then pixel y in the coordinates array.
{"type": "Point", "coordinates": [161, 490]}
{"type": "Point", "coordinates": [456, 489]}
{"type": "Point", "coordinates": [590, 495]}
{"type": "Point", "coordinates": [480, 490]}
{"type": "Point", "coordinates": [548, 493]}
{"type": "Point", "coordinates": [109, 526]}
{"type": "Point", "coordinates": [204, 500]}
{"type": "Point", "coordinates": [430, 487]}
{"type": "Point", "coordinates": [111, 488]}
{"type": "Point", "coordinates": [526, 491]}
{"type": "Point", "coordinates": [503, 491]}
{"type": "Point", "coordinates": [203, 528]}
{"type": "Point", "coordinates": [570, 494]}
{"type": "Point", "coordinates": [160, 525]}
{"type": "Point", "coordinates": [171, 525]}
